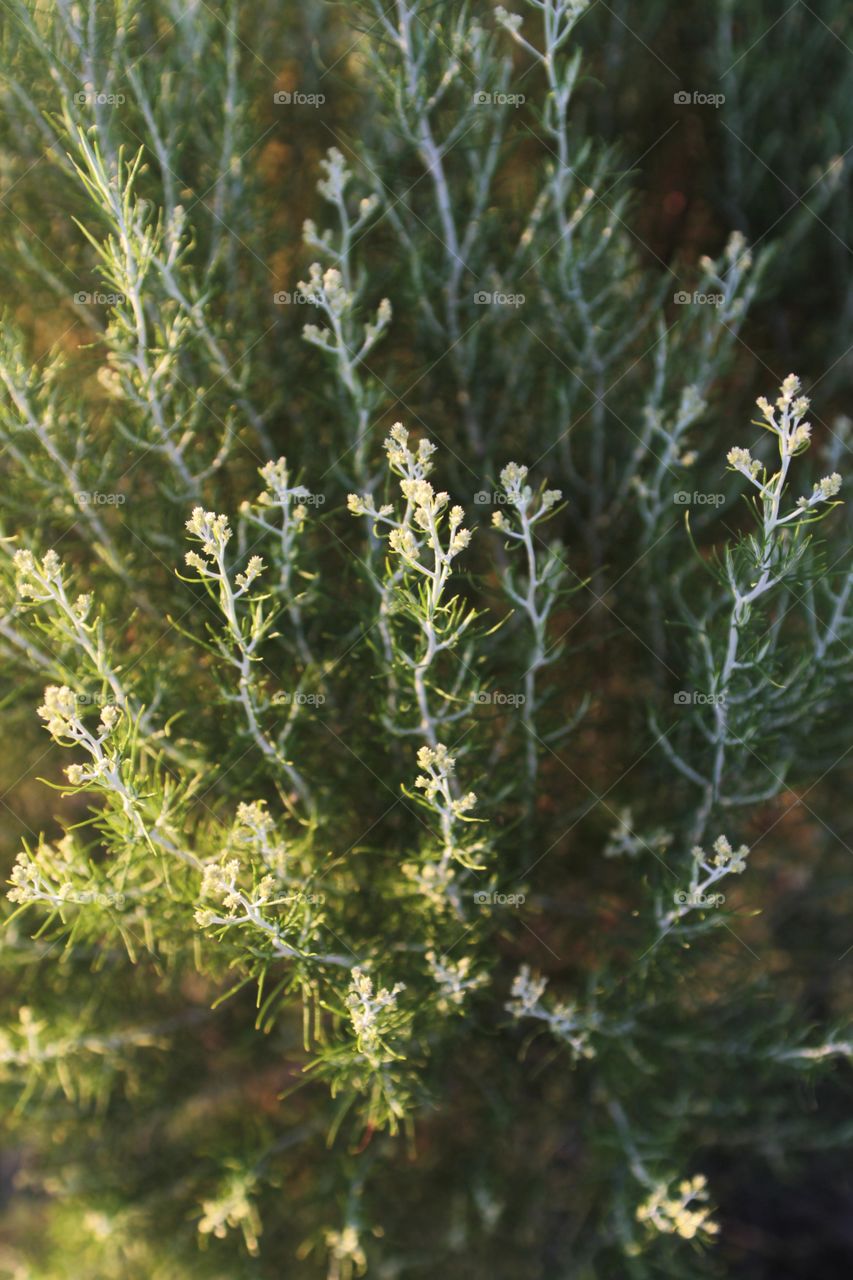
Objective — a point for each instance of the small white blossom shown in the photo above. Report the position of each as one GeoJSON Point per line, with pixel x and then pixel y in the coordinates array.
{"type": "Point", "coordinates": [367, 1009]}
{"type": "Point", "coordinates": [681, 1211]}
{"type": "Point", "coordinates": [454, 979]}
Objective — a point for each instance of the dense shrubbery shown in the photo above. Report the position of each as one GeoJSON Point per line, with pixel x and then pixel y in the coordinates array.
{"type": "Point", "coordinates": [444, 665]}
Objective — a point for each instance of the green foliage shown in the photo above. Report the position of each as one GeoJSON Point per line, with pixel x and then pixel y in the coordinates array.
{"type": "Point", "coordinates": [395, 866]}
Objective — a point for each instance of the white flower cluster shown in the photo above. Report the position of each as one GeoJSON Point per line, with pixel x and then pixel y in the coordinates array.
{"type": "Point", "coordinates": [255, 829]}
{"type": "Point", "coordinates": [707, 870]}
{"type": "Point", "coordinates": [214, 533]}
{"type": "Point", "coordinates": [436, 783]}
{"type": "Point", "coordinates": [253, 822]}
{"type": "Point", "coordinates": [530, 507]}
{"type": "Point", "coordinates": [335, 175]}
{"type": "Point", "coordinates": [743, 461]}
{"type": "Point", "coordinates": [235, 895]}
{"type": "Point", "coordinates": [220, 883]}
{"type": "Point", "coordinates": [565, 1021]}
{"type": "Point", "coordinates": [332, 186]}
{"type": "Point", "coordinates": [48, 876]}
{"type": "Point", "coordinates": [785, 420]}
{"type": "Point", "coordinates": [454, 980]}
{"type": "Point", "coordinates": [35, 574]}
{"type": "Point", "coordinates": [404, 462]}
{"type": "Point", "coordinates": [725, 858]}
{"type": "Point", "coordinates": [823, 491]}
{"type": "Point", "coordinates": [368, 1010]}
{"type": "Point", "coordinates": [62, 721]}
{"type": "Point", "coordinates": [565, 11]}
{"type": "Point", "coordinates": [279, 491]}
{"type": "Point", "coordinates": [509, 21]}
{"type": "Point", "coordinates": [328, 291]}
{"type": "Point", "coordinates": [534, 590]}
{"type": "Point", "coordinates": [625, 842]}
{"type": "Point", "coordinates": [527, 990]}
{"type": "Point", "coordinates": [435, 881]}
{"type": "Point", "coordinates": [425, 508]}
{"type": "Point", "coordinates": [346, 1256]}
{"type": "Point", "coordinates": [438, 765]}
{"type": "Point", "coordinates": [43, 581]}
{"type": "Point", "coordinates": [233, 1208]}
{"type": "Point", "coordinates": [680, 1211]}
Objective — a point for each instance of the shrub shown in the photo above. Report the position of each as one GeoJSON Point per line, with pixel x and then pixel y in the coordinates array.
{"type": "Point", "coordinates": [443, 706]}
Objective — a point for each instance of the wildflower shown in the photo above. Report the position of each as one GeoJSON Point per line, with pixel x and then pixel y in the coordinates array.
{"type": "Point", "coordinates": [24, 561]}
{"type": "Point", "coordinates": [51, 564]}
{"type": "Point", "coordinates": [232, 1209]}
{"type": "Point", "coordinates": [680, 1212]}
{"type": "Point", "coordinates": [526, 991]}
{"type": "Point", "coordinates": [726, 856]}
{"type": "Point", "coordinates": [737, 252]}
{"type": "Point", "coordinates": [454, 979]}
{"type": "Point", "coordinates": [254, 817]}
{"type": "Point", "coordinates": [194, 560]}
{"type": "Point", "coordinates": [212, 530]}
{"type": "Point", "coordinates": [800, 437]}
{"type": "Point", "coordinates": [510, 21]}
{"type": "Point", "coordinates": [624, 840]}
{"type": "Point", "coordinates": [24, 878]}
{"type": "Point", "coordinates": [829, 486]}
{"type": "Point", "coordinates": [743, 461]}
{"type": "Point", "coordinates": [439, 764]}
{"type": "Point", "coordinates": [404, 542]}
{"type": "Point", "coordinates": [459, 541]}
{"type": "Point", "coordinates": [254, 569]}
{"type": "Point", "coordinates": [313, 333]}
{"type": "Point", "coordinates": [513, 475]}
{"type": "Point", "coordinates": [790, 387]}
{"type": "Point", "coordinates": [220, 882]}
{"type": "Point", "coordinates": [464, 804]}
{"type": "Point", "coordinates": [59, 710]}
{"type": "Point", "coordinates": [110, 716]}
{"type": "Point", "coordinates": [367, 1009]}
{"type": "Point", "coordinates": [345, 1246]}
